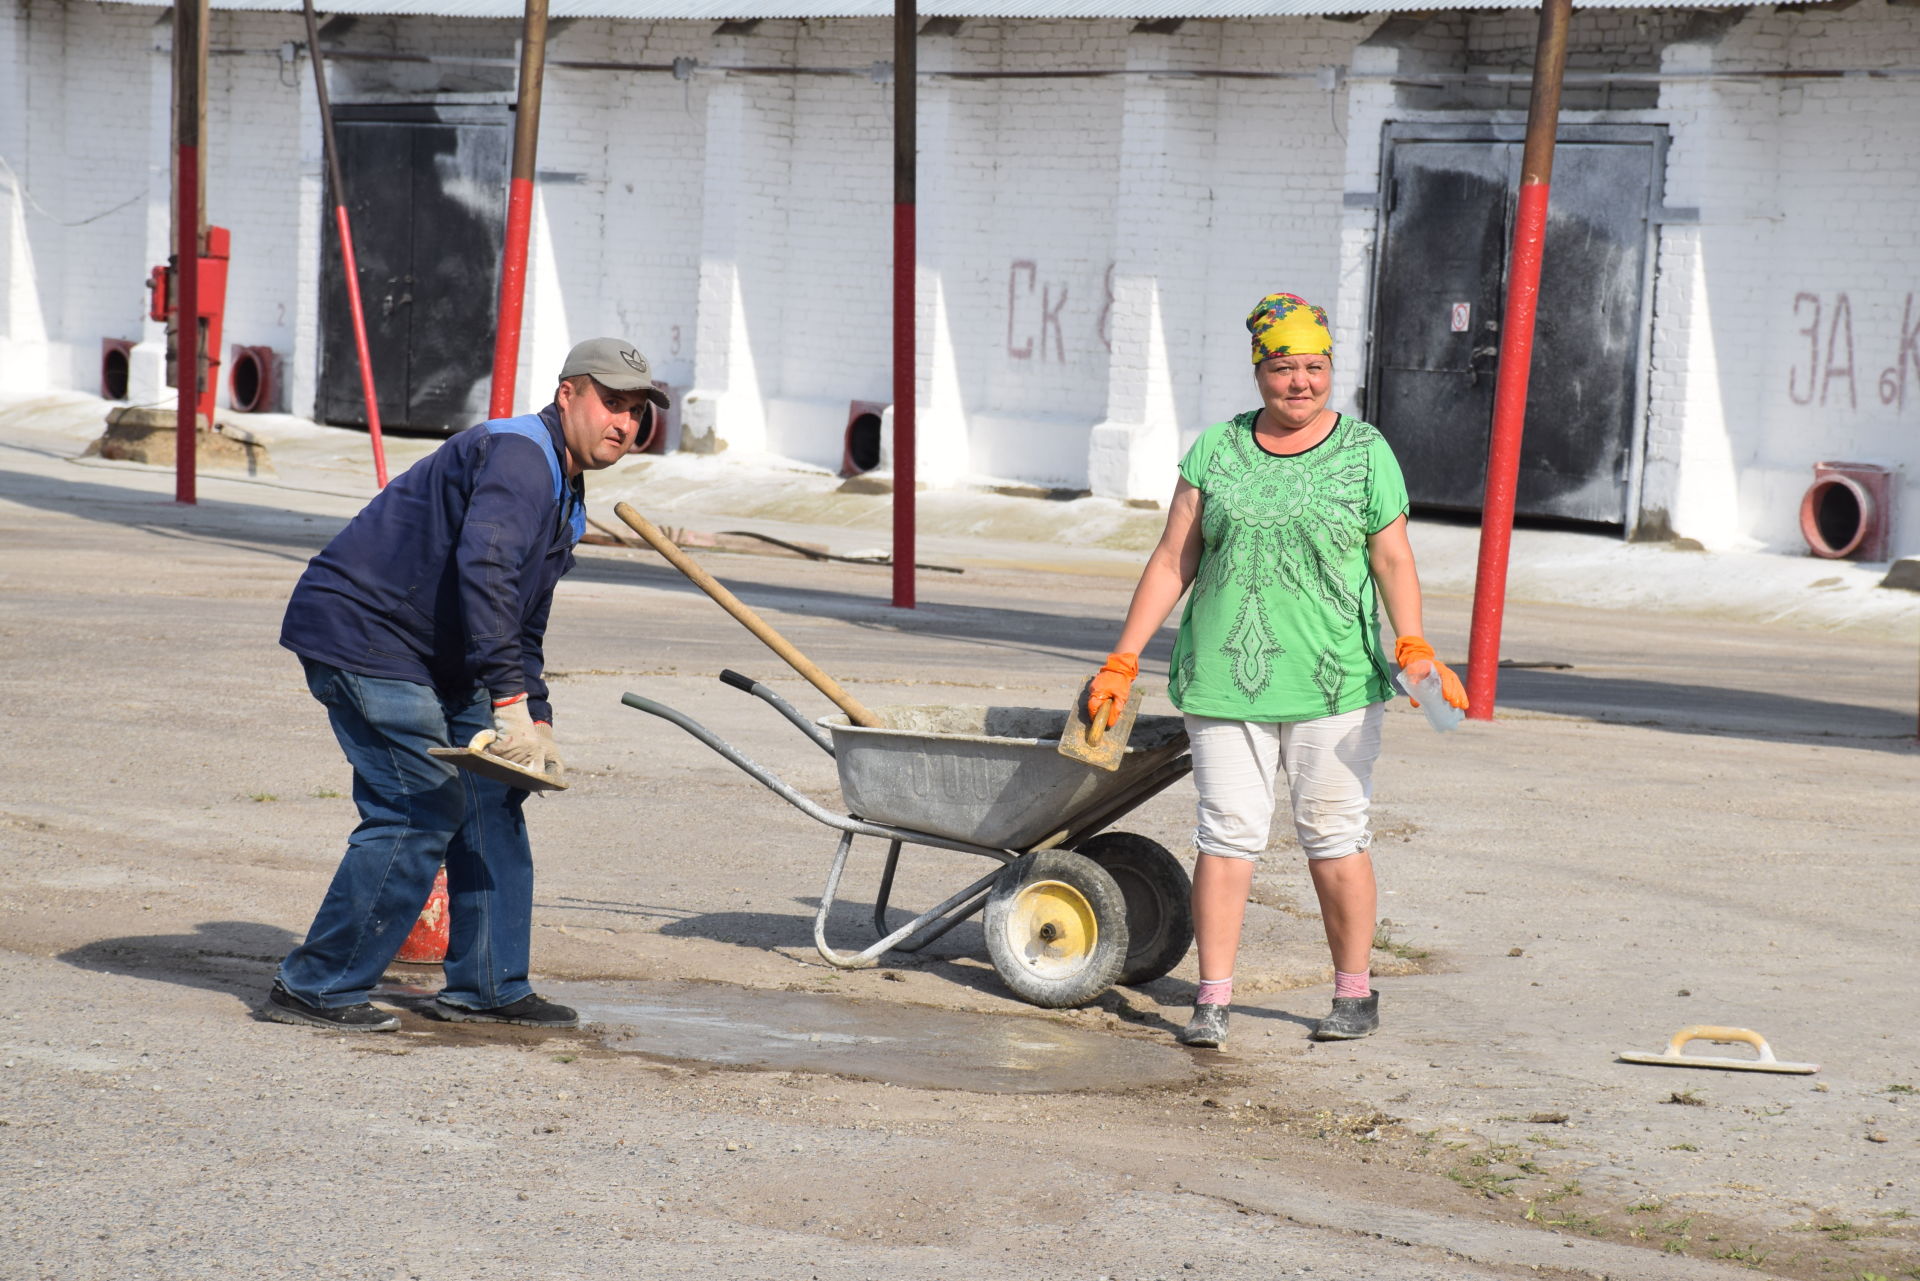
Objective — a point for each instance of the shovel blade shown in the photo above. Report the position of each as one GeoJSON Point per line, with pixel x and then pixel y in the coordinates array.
{"type": "Point", "coordinates": [1101, 748]}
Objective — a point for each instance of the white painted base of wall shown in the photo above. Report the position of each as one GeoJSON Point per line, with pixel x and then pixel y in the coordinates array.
{"type": "Point", "coordinates": [1039, 450]}
{"type": "Point", "coordinates": [24, 367]}
{"type": "Point", "coordinates": [809, 431]}
{"type": "Point", "coordinates": [147, 374]}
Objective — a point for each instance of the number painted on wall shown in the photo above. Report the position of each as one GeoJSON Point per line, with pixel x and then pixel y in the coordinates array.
{"type": "Point", "coordinates": [1893, 382]}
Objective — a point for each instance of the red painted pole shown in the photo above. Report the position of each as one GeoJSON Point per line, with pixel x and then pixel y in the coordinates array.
{"type": "Point", "coordinates": [1516, 359]}
{"type": "Point", "coordinates": [348, 265]}
{"type": "Point", "coordinates": [345, 230]}
{"type": "Point", "coordinates": [906, 83]}
{"type": "Point", "coordinates": [513, 263]}
{"type": "Point", "coordinates": [189, 114]}
{"type": "Point", "coordinates": [186, 343]}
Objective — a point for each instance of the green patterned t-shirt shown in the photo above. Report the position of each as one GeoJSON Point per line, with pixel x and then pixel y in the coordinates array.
{"type": "Point", "coordinates": [1280, 623]}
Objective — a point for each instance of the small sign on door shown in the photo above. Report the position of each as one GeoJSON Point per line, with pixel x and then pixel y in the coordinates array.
{"type": "Point", "coordinates": [1462, 313]}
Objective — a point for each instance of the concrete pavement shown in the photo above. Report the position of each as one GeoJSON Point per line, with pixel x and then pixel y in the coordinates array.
{"type": "Point", "coordinates": [1700, 818]}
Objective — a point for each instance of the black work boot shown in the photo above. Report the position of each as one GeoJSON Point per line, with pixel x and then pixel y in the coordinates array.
{"type": "Point", "coordinates": [1208, 1028]}
{"type": "Point", "coordinates": [1352, 1018]}
{"type": "Point", "coordinates": [528, 1011]}
{"type": "Point", "coordinates": [284, 1007]}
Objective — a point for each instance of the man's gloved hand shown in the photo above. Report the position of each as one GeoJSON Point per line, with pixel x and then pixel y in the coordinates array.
{"type": "Point", "coordinates": [514, 736]}
{"type": "Point", "coordinates": [555, 767]}
{"type": "Point", "coordinates": [1111, 686]}
{"type": "Point", "coordinates": [1409, 650]}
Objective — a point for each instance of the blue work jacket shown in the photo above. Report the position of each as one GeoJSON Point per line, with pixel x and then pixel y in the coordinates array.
{"type": "Point", "coordinates": [446, 577]}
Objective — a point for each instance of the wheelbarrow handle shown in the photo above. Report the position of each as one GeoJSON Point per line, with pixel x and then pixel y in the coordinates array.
{"type": "Point", "coordinates": [748, 685]}
{"type": "Point", "coordinates": [779, 787]}
{"type": "Point", "coordinates": [855, 710]}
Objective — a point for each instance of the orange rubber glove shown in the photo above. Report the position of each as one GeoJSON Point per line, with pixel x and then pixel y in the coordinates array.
{"type": "Point", "coordinates": [1409, 650]}
{"type": "Point", "coordinates": [1111, 685]}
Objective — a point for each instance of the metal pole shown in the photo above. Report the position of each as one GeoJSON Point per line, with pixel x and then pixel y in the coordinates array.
{"type": "Point", "coordinates": [347, 264]}
{"type": "Point", "coordinates": [189, 123]}
{"type": "Point", "coordinates": [513, 264]}
{"type": "Point", "coordinates": [1516, 358]}
{"type": "Point", "coordinates": [906, 79]}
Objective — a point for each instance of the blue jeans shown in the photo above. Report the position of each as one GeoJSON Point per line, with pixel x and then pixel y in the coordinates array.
{"type": "Point", "coordinates": [417, 811]}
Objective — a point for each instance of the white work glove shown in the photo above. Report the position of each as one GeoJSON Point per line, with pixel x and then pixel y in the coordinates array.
{"type": "Point", "coordinates": [514, 736]}
{"type": "Point", "coordinates": [555, 768]}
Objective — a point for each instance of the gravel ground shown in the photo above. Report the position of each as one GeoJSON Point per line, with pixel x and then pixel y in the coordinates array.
{"type": "Point", "coordinates": [1696, 820]}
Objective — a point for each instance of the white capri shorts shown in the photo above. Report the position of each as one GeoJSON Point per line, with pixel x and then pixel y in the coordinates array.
{"type": "Point", "coordinates": [1329, 765]}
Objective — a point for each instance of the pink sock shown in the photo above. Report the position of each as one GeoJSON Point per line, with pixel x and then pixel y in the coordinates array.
{"type": "Point", "coordinates": [1215, 992]}
{"type": "Point", "coordinates": [1360, 984]}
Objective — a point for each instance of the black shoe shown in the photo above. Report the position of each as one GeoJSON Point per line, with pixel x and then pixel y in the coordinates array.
{"type": "Point", "coordinates": [529, 1011]}
{"type": "Point", "coordinates": [284, 1007]}
{"type": "Point", "coordinates": [1352, 1018]}
{"type": "Point", "coordinates": [1207, 1030]}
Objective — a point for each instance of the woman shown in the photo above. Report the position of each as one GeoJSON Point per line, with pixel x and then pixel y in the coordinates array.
{"type": "Point", "coordinates": [1286, 522]}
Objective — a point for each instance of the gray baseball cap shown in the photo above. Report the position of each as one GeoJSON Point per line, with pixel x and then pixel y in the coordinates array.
{"type": "Point", "coordinates": [615, 363]}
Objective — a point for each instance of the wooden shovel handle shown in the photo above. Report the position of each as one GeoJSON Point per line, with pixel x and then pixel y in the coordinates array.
{"type": "Point", "coordinates": [855, 710]}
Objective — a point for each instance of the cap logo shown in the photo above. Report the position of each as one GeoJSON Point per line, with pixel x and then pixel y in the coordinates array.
{"type": "Point", "coordinates": [635, 360]}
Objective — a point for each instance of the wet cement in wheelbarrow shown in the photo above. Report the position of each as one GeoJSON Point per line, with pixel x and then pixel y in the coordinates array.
{"type": "Point", "coordinates": [903, 1045]}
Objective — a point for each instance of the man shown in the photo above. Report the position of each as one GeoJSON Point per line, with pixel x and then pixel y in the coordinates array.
{"type": "Point", "coordinates": [420, 625]}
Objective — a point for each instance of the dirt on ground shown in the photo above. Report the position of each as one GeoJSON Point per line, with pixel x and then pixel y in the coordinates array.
{"type": "Point", "coordinates": [1674, 821]}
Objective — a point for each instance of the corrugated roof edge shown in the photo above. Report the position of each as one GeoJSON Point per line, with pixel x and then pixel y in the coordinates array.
{"type": "Point", "coordinates": [720, 10]}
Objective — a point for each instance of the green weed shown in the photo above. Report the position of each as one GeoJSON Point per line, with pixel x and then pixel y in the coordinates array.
{"type": "Point", "coordinates": [1383, 941]}
{"type": "Point", "coordinates": [260, 798]}
{"type": "Point", "coordinates": [1677, 1234]}
{"type": "Point", "coordinates": [1485, 1182]}
{"type": "Point", "coordinates": [1745, 1254]}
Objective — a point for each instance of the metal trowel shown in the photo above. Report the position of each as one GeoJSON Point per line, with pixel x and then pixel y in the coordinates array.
{"type": "Point", "coordinates": [1672, 1057]}
{"type": "Point", "coordinates": [475, 758]}
{"type": "Point", "coordinates": [1088, 739]}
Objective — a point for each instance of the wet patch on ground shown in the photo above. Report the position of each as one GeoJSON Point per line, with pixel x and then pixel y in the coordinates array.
{"type": "Point", "coordinates": [904, 1045]}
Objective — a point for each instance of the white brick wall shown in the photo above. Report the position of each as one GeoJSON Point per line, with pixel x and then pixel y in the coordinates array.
{"type": "Point", "coordinates": [72, 131]}
{"type": "Point", "coordinates": [1279, 169]}
{"type": "Point", "coordinates": [1088, 247]}
{"type": "Point", "coordinates": [253, 154]}
{"type": "Point", "coordinates": [1779, 335]}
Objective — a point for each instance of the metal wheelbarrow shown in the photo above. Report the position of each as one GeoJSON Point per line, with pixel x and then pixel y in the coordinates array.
{"type": "Point", "coordinates": [1072, 908]}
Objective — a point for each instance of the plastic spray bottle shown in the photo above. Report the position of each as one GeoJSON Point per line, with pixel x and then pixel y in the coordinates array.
{"type": "Point", "coordinates": [1421, 682]}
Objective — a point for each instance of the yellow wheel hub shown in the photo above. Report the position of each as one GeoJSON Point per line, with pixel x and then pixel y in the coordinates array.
{"type": "Point", "coordinates": [1053, 928]}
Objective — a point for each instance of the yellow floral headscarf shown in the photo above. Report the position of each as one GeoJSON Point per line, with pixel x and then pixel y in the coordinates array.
{"type": "Point", "coordinates": [1288, 325]}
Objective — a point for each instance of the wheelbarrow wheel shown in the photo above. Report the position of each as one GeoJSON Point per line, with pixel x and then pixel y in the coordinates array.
{"type": "Point", "coordinates": [1159, 899]}
{"type": "Point", "coordinates": [1056, 926]}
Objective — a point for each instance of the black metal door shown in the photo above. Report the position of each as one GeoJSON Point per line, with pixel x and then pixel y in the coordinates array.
{"type": "Point", "coordinates": [427, 197]}
{"type": "Point", "coordinates": [1438, 304]}
{"type": "Point", "coordinates": [1433, 368]}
